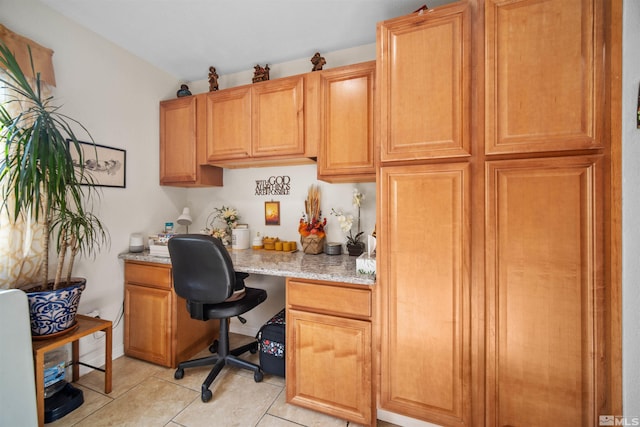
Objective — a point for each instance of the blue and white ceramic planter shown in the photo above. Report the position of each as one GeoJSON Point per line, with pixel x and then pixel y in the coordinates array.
{"type": "Point", "coordinates": [54, 311]}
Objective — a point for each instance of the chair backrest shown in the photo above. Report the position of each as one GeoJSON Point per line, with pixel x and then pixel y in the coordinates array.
{"type": "Point", "coordinates": [202, 268]}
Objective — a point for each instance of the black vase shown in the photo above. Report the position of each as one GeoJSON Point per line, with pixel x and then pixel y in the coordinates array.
{"type": "Point", "coordinates": [355, 249]}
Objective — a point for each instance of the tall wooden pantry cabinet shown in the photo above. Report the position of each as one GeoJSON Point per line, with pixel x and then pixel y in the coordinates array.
{"type": "Point", "coordinates": [492, 211]}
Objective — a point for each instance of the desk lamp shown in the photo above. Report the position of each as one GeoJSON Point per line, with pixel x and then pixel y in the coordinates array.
{"type": "Point", "coordinates": [185, 219]}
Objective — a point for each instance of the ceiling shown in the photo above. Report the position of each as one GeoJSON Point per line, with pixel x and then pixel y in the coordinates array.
{"type": "Point", "coordinates": [185, 37]}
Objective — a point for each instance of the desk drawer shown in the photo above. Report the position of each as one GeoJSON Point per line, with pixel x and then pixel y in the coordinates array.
{"type": "Point", "coordinates": [340, 299]}
{"type": "Point", "coordinates": [157, 276]}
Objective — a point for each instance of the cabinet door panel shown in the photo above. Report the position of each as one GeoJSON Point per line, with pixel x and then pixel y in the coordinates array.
{"type": "Point", "coordinates": [542, 90]}
{"type": "Point", "coordinates": [424, 280]}
{"type": "Point", "coordinates": [228, 124]}
{"type": "Point", "coordinates": [148, 324]}
{"type": "Point", "coordinates": [424, 84]}
{"type": "Point", "coordinates": [346, 148]}
{"type": "Point", "coordinates": [277, 117]}
{"type": "Point", "coordinates": [329, 368]}
{"type": "Point", "coordinates": [544, 283]}
{"type": "Point", "coordinates": [178, 140]}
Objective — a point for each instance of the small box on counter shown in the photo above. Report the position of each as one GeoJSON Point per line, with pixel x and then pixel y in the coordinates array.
{"type": "Point", "coordinates": [366, 264]}
{"type": "Point", "coordinates": [158, 244]}
{"type": "Point", "coordinates": [159, 250]}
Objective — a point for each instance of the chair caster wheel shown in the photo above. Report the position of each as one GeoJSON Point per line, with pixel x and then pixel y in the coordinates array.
{"type": "Point", "coordinates": [206, 395]}
{"type": "Point", "coordinates": [257, 376]}
{"type": "Point", "coordinates": [178, 374]}
{"type": "Point", "coordinates": [213, 348]}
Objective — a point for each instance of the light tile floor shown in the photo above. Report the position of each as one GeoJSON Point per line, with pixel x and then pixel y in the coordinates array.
{"type": "Point", "coordinates": [147, 395]}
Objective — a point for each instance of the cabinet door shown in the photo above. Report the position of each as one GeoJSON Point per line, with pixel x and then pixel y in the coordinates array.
{"type": "Point", "coordinates": [545, 293]}
{"type": "Point", "coordinates": [346, 118]}
{"type": "Point", "coordinates": [178, 140]}
{"type": "Point", "coordinates": [182, 145]}
{"type": "Point", "coordinates": [424, 282]}
{"type": "Point", "coordinates": [277, 117]}
{"type": "Point", "coordinates": [148, 325]}
{"type": "Point", "coordinates": [543, 75]}
{"type": "Point", "coordinates": [423, 85]}
{"type": "Point", "coordinates": [329, 365]}
{"type": "Point", "coordinates": [229, 124]}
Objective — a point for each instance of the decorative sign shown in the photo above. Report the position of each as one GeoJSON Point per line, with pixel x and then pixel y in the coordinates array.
{"type": "Point", "coordinates": [273, 186]}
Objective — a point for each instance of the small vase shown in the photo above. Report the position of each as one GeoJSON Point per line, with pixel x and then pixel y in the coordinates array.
{"type": "Point", "coordinates": [355, 249]}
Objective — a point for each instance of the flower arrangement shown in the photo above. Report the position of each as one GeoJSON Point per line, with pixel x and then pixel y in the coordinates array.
{"type": "Point", "coordinates": [228, 215]}
{"type": "Point", "coordinates": [310, 223]}
{"type": "Point", "coordinates": [222, 234]}
{"type": "Point", "coordinates": [311, 227]}
{"type": "Point", "coordinates": [346, 222]}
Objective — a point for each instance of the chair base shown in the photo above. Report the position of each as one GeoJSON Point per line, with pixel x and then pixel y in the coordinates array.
{"type": "Point", "coordinates": [224, 357]}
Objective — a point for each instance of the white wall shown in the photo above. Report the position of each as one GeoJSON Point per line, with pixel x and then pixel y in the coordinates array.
{"type": "Point", "coordinates": [630, 210]}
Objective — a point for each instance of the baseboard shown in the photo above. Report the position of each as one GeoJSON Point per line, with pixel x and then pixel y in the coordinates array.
{"type": "Point", "coordinates": [401, 420]}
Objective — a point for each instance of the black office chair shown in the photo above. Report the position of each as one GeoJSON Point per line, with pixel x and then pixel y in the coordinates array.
{"type": "Point", "coordinates": [203, 275]}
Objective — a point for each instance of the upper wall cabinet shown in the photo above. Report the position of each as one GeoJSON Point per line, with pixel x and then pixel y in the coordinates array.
{"type": "Point", "coordinates": [258, 124]}
{"type": "Point", "coordinates": [423, 85]}
{"type": "Point", "coordinates": [228, 124]}
{"type": "Point", "coordinates": [346, 148]}
{"type": "Point", "coordinates": [527, 58]}
{"type": "Point", "coordinates": [182, 149]}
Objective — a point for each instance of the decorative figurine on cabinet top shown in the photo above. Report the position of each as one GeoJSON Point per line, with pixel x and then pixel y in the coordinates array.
{"type": "Point", "coordinates": [213, 79]}
{"type": "Point", "coordinates": [317, 61]}
{"type": "Point", "coordinates": [260, 74]}
{"type": "Point", "coordinates": [183, 91]}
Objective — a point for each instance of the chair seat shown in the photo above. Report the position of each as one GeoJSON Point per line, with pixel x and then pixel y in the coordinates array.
{"type": "Point", "coordinates": [252, 298]}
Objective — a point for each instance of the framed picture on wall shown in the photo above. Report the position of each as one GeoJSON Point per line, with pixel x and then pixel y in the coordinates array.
{"type": "Point", "coordinates": [272, 213]}
{"type": "Point", "coordinates": [105, 165]}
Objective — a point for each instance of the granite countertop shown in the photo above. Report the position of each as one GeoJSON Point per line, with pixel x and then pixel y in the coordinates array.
{"type": "Point", "coordinates": [335, 268]}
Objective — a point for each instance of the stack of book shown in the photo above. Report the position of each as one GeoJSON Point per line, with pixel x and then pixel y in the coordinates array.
{"type": "Point", "coordinates": [158, 244]}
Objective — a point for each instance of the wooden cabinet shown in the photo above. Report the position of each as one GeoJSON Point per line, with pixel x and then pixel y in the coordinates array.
{"type": "Point", "coordinates": [228, 124]}
{"type": "Point", "coordinates": [259, 124]}
{"type": "Point", "coordinates": [424, 217]}
{"type": "Point", "coordinates": [424, 77]}
{"type": "Point", "coordinates": [543, 76]}
{"type": "Point", "coordinates": [329, 349]}
{"type": "Point", "coordinates": [493, 273]}
{"type": "Point", "coordinates": [158, 327]}
{"type": "Point", "coordinates": [546, 350]}
{"type": "Point", "coordinates": [544, 291]}
{"type": "Point", "coordinates": [424, 277]}
{"type": "Point", "coordinates": [277, 117]}
{"type": "Point", "coordinates": [182, 149]}
{"type": "Point", "coordinates": [346, 151]}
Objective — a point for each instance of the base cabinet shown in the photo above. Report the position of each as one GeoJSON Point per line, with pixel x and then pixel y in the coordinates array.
{"type": "Point", "coordinates": [158, 327]}
{"type": "Point", "coordinates": [329, 358]}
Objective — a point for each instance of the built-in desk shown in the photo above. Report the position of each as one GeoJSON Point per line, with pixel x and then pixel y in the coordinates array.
{"type": "Point", "coordinates": [332, 268]}
{"type": "Point", "coordinates": [329, 324]}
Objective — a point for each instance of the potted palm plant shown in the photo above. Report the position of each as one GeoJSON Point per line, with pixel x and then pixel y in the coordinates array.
{"type": "Point", "coordinates": [39, 180]}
